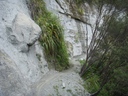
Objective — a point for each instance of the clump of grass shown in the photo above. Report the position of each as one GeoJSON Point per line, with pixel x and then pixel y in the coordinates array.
{"type": "Point", "coordinates": [52, 38]}
{"type": "Point", "coordinates": [82, 62]}
{"type": "Point", "coordinates": [77, 9]}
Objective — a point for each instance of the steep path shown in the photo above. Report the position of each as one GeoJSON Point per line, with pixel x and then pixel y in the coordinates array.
{"type": "Point", "coordinates": [66, 83]}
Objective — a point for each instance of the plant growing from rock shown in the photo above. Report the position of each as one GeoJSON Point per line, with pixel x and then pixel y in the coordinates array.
{"type": "Point", "coordinates": [51, 39]}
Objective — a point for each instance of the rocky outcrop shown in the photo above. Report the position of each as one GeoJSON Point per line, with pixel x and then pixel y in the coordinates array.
{"type": "Point", "coordinates": [22, 61]}
{"type": "Point", "coordinates": [23, 68]}
{"type": "Point", "coordinates": [78, 21]}
{"type": "Point", "coordinates": [23, 33]}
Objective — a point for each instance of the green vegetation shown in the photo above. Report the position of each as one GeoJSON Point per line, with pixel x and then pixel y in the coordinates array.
{"type": "Point", "coordinates": [38, 56]}
{"type": "Point", "coordinates": [82, 62]}
{"type": "Point", "coordinates": [57, 90]}
{"type": "Point", "coordinates": [79, 1]}
{"type": "Point", "coordinates": [52, 39]}
{"type": "Point", "coordinates": [106, 68]}
{"type": "Point", "coordinates": [77, 9]}
{"type": "Point", "coordinates": [92, 84]}
{"type": "Point", "coordinates": [69, 90]}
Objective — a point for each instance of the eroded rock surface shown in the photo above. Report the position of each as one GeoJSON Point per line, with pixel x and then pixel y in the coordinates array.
{"type": "Point", "coordinates": [23, 68]}
{"type": "Point", "coordinates": [23, 32]}
{"type": "Point", "coordinates": [78, 22]}
{"type": "Point", "coordinates": [21, 56]}
{"type": "Point", "coordinates": [12, 82]}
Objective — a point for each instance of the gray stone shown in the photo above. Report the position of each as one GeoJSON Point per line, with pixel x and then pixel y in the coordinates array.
{"type": "Point", "coordinates": [76, 32]}
{"type": "Point", "coordinates": [23, 47]}
{"type": "Point", "coordinates": [23, 68]}
{"type": "Point", "coordinates": [12, 82]}
{"type": "Point", "coordinates": [24, 32]}
{"type": "Point", "coordinates": [25, 29]}
{"type": "Point", "coordinates": [19, 65]}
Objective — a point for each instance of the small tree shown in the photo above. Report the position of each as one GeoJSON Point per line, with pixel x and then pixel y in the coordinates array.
{"type": "Point", "coordinates": [107, 53]}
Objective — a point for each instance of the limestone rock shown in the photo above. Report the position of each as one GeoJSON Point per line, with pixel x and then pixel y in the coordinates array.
{"type": "Point", "coordinates": [76, 32]}
{"type": "Point", "coordinates": [24, 32]}
{"type": "Point", "coordinates": [11, 81]}
{"type": "Point", "coordinates": [23, 68]}
{"type": "Point", "coordinates": [20, 67]}
{"type": "Point", "coordinates": [25, 29]}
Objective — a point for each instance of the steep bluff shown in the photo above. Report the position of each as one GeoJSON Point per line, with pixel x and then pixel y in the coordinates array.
{"type": "Point", "coordinates": [19, 49]}
{"type": "Point", "coordinates": [23, 68]}
{"type": "Point", "coordinates": [78, 21]}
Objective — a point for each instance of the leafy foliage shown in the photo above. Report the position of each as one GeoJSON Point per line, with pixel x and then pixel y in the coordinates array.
{"type": "Point", "coordinates": [52, 38]}
{"type": "Point", "coordinates": [92, 84]}
{"type": "Point", "coordinates": [107, 54]}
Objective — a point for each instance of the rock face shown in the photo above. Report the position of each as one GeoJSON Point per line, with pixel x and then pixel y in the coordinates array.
{"type": "Point", "coordinates": [23, 69]}
{"type": "Point", "coordinates": [22, 61]}
{"type": "Point", "coordinates": [78, 28]}
{"type": "Point", "coordinates": [23, 33]}
{"type": "Point", "coordinates": [12, 82]}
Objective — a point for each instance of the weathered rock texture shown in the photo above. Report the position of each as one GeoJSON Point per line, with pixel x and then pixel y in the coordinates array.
{"type": "Point", "coordinates": [78, 22]}
{"type": "Point", "coordinates": [23, 69]}
{"type": "Point", "coordinates": [21, 57]}
{"type": "Point", "coordinates": [61, 84]}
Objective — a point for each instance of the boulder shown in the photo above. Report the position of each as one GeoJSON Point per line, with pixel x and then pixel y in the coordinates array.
{"type": "Point", "coordinates": [24, 32]}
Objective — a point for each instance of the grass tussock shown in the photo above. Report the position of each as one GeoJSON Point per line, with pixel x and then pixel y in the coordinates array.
{"type": "Point", "coordinates": [52, 39]}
